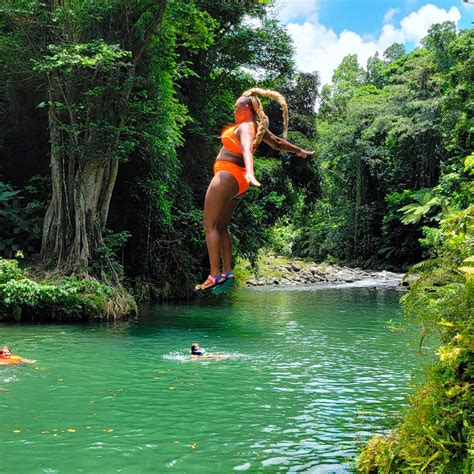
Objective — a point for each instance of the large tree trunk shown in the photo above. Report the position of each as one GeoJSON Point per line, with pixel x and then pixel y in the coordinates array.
{"type": "Point", "coordinates": [82, 185]}
{"type": "Point", "coordinates": [77, 213]}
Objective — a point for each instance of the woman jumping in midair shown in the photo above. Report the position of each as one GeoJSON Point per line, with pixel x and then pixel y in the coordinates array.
{"type": "Point", "coordinates": [233, 173]}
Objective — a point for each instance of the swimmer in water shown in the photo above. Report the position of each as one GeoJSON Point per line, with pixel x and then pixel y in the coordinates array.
{"type": "Point", "coordinates": [197, 352]}
{"type": "Point", "coordinates": [7, 357]}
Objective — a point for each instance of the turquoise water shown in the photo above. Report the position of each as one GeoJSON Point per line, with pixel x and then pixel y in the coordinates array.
{"type": "Point", "coordinates": [311, 375]}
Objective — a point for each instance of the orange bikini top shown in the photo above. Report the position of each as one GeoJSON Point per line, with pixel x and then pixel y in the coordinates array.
{"type": "Point", "coordinates": [230, 141]}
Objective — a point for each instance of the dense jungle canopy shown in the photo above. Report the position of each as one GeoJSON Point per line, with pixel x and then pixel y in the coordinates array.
{"type": "Point", "coordinates": [111, 113]}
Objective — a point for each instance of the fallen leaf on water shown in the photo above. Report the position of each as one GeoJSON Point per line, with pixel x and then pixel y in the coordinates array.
{"type": "Point", "coordinates": [194, 445]}
{"type": "Point", "coordinates": [71, 430]}
{"type": "Point", "coordinates": [109, 430]}
{"type": "Point", "coordinates": [171, 388]}
{"type": "Point", "coordinates": [45, 432]}
{"type": "Point", "coordinates": [16, 431]}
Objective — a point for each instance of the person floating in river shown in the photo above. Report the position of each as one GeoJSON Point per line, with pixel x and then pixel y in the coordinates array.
{"type": "Point", "coordinates": [234, 173]}
{"type": "Point", "coordinates": [198, 352]}
{"type": "Point", "coordinates": [7, 357]}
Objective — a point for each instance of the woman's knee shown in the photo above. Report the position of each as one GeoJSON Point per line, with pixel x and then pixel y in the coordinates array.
{"type": "Point", "coordinates": [212, 226]}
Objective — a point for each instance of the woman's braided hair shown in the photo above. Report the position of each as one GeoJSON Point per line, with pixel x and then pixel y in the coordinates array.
{"type": "Point", "coordinates": [262, 117]}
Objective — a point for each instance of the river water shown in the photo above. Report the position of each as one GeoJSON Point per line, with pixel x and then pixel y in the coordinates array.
{"type": "Point", "coordinates": [312, 373]}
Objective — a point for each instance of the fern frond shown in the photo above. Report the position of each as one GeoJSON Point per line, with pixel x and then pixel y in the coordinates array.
{"type": "Point", "coordinates": [467, 266]}
{"type": "Point", "coordinates": [432, 264]}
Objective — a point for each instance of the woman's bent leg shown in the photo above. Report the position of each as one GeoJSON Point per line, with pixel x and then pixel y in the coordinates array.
{"type": "Point", "coordinates": [220, 193]}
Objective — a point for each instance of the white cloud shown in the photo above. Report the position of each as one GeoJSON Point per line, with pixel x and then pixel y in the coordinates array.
{"type": "Point", "coordinates": [415, 26]}
{"type": "Point", "coordinates": [288, 10]}
{"type": "Point", "coordinates": [388, 18]}
{"type": "Point", "coordinates": [319, 48]}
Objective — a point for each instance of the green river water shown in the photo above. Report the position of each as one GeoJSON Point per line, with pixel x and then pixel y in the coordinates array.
{"type": "Point", "coordinates": [312, 374]}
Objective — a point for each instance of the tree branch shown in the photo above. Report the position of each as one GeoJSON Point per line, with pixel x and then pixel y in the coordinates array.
{"type": "Point", "coordinates": [151, 28]}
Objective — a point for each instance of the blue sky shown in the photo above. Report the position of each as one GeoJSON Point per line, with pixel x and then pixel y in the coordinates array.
{"type": "Point", "coordinates": [365, 17]}
{"type": "Point", "coordinates": [324, 31]}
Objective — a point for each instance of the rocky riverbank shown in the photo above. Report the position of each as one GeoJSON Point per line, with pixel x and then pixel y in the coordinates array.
{"type": "Point", "coordinates": [275, 270]}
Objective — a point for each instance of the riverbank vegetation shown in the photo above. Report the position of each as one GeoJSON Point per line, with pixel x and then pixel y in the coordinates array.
{"type": "Point", "coordinates": [436, 433]}
{"type": "Point", "coordinates": [42, 298]}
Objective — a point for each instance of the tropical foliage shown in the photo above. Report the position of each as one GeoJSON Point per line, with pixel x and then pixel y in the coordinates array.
{"type": "Point", "coordinates": [384, 138]}
{"type": "Point", "coordinates": [437, 431]}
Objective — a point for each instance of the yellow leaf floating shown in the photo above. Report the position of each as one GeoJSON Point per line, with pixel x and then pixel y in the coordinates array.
{"type": "Point", "coordinates": [171, 388]}
{"type": "Point", "coordinates": [194, 445]}
{"type": "Point", "coordinates": [108, 430]}
{"type": "Point", "coordinates": [45, 432]}
{"type": "Point", "coordinates": [16, 431]}
{"type": "Point", "coordinates": [71, 430]}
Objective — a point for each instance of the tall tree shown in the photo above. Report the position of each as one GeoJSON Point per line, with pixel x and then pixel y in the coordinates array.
{"type": "Point", "coordinates": [90, 76]}
{"type": "Point", "coordinates": [88, 53]}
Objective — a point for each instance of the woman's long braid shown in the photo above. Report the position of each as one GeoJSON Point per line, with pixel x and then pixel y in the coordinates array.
{"type": "Point", "coordinates": [263, 119]}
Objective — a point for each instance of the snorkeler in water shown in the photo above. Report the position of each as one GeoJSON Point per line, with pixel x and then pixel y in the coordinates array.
{"type": "Point", "coordinates": [7, 357]}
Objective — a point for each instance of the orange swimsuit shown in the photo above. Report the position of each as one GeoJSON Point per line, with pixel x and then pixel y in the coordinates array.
{"type": "Point", "coordinates": [232, 143]}
{"type": "Point", "coordinates": [12, 360]}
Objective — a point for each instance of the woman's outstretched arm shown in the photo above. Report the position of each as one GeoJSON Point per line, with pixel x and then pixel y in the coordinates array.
{"type": "Point", "coordinates": [246, 134]}
{"type": "Point", "coordinates": [278, 143]}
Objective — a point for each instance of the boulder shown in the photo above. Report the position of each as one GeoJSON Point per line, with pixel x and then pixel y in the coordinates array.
{"type": "Point", "coordinates": [296, 266]}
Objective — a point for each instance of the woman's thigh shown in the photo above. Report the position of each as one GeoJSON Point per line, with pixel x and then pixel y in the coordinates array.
{"type": "Point", "coordinates": [228, 211]}
{"type": "Point", "coordinates": [220, 193]}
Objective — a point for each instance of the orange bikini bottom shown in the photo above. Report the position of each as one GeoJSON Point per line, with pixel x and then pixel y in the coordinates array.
{"type": "Point", "coordinates": [238, 172]}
